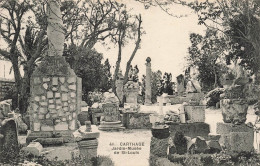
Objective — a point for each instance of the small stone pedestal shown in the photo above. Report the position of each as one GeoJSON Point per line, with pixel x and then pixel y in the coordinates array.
{"type": "Point", "coordinates": [111, 119]}
{"type": "Point", "coordinates": [87, 142]}
{"type": "Point", "coordinates": [236, 138]}
{"type": "Point", "coordinates": [195, 113]}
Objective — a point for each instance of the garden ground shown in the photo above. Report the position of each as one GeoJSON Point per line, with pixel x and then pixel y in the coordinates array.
{"type": "Point", "coordinates": [108, 140]}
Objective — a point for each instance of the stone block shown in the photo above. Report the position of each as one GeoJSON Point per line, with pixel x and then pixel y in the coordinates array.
{"type": "Point", "coordinates": [55, 115]}
{"type": "Point", "coordinates": [63, 88]}
{"type": "Point", "coordinates": [46, 128]}
{"type": "Point", "coordinates": [158, 147]}
{"type": "Point", "coordinates": [195, 113]}
{"type": "Point", "coordinates": [51, 106]}
{"type": "Point", "coordinates": [51, 141]}
{"type": "Point", "coordinates": [64, 119]}
{"type": "Point", "coordinates": [54, 89]}
{"type": "Point", "coordinates": [241, 141]}
{"type": "Point", "coordinates": [72, 107]}
{"type": "Point", "coordinates": [200, 145]}
{"type": "Point", "coordinates": [48, 116]}
{"type": "Point", "coordinates": [34, 148]}
{"type": "Point", "coordinates": [58, 101]}
{"type": "Point", "coordinates": [36, 126]}
{"type": "Point", "coordinates": [35, 107]}
{"type": "Point", "coordinates": [64, 97]}
{"type": "Point", "coordinates": [72, 87]}
{"type": "Point", "coordinates": [72, 94]}
{"type": "Point", "coordinates": [72, 125]}
{"type": "Point", "coordinates": [71, 80]}
{"type": "Point", "coordinates": [215, 137]}
{"type": "Point", "coordinates": [41, 117]}
{"type": "Point", "coordinates": [51, 101]}
{"type": "Point", "coordinates": [58, 107]}
{"type": "Point", "coordinates": [43, 110]}
{"type": "Point", "coordinates": [37, 98]}
{"type": "Point", "coordinates": [38, 90]}
{"type": "Point", "coordinates": [61, 113]}
{"type": "Point", "coordinates": [214, 146]}
{"type": "Point", "coordinates": [43, 103]}
{"type": "Point", "coordinates": [45, 86]}
{"type": "Point", "coordinates": [226, 128]}
{"type": "Point", "coordinates": [46, 79]}
{"type": "Point", "coordinates": [62, 79]}
{"type": "Point", "coordinates": [57, 95]}
{"type": "Point", "coordinates": [61, 126]}
{"type": "Point", "coordinates": [52, 111]}
{"type": "Point", "coordinates": [43, 98]}
{"type": "Point", "coordinates": [55, 81]}
{"type": "Point", "coordinates": [36, 80]}
{"type": "Point", "coordinates": [70, 117]}
{"type": "Point", "coordinates": [65, 109]}
{"type": "Point", "coordinates": [49, 94]}
{"type": "Point", "coordinates": [65, 104]}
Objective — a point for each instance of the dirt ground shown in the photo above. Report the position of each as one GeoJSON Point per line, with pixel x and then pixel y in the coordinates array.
{"type": "Point", "coordinates": [108, 140]}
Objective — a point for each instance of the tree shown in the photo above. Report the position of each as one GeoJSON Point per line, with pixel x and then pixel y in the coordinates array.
{"type": "Point", "coordinates": [32, 45]}
{"type": "Point", "coordinates": [207, 53]}
{"type": "Point", "coordinates": [87, 65]}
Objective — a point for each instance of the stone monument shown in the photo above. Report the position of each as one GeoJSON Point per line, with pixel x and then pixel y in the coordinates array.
{"type": "Point", "coordinates": [120, 86]}
{"type": "Point", "coordinates": [180, 85]}
{"type": "Point", "coordinates": [111, 116]}
{"type": "Point", "coordinates": [131, 90]}
{"type": "Point", "coordinates": [55, 89]}
{"type": "Point", "coordinates": [148, 90]}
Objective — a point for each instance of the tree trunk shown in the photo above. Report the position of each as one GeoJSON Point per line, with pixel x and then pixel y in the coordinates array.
{"type": "Point", "coordinates": [117, 67]}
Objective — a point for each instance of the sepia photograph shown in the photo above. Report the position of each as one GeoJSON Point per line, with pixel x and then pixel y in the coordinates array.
{"type": "Point", "coordinates": [129, 82]}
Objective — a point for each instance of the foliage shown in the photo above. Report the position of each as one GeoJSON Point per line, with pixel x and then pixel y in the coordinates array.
{"type": "Point", "coordinates": [213, 96]}
{"type": "Point", "coordinates": [156, 85]}
{"type": "Point", "coordinates": [167, 84]}
{"type": "Point", "coordinates": [23, 158]}
{"type": "Point", "coordinates": [206, 53]}
{"type": "Point", "coordinates": [87, 65]}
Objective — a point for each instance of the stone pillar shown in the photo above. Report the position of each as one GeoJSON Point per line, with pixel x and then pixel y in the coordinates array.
{"type": "Point", "coordinates": [120, 86]}
{"type": "Point", "coordinates": [180, 85]}
{"type": "Point", "coordinates": [148, 90]}
{"type": "Point", "coordinates": [55, 89]}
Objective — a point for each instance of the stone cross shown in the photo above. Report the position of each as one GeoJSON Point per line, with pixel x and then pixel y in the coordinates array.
{"type": "Point", "coordinates": [55, 29]}
{"type": "Point", "coordinates": [148, 90]}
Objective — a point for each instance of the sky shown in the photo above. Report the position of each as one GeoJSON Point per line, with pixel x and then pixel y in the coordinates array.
{"type": "Point", "coordinates": [166, 40]}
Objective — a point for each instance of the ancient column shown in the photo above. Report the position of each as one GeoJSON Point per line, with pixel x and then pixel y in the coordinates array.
{"type": "Point", "coordinates": [148, 90]}
{"type": "Point", "coordinates": [120, 86]}
{"type": "Point", "coordinates": [55, 89]}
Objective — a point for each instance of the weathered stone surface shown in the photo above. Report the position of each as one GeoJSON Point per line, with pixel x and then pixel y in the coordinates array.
{"type": "Point", "coordinates": [53, 111]}
{"type": "Point", "coordinates": [37, 98]}
{"type": "Point", "coordinates": [43, 103]}
{"type": "Point", "coordinates": [71, 80]}
{"type": "Point", "coordinates": [73, 101]}
{"type": "Point", "coordinates": [64, 97]}
{"type": "Point", "coordinates": [41, 116]}
{"type": "Point", "coordinates": [46, 128]}
{"type": "Point", "coordinates": [72, 94]}
{"type": "Point", "coordinates": [200, 145]}
{"type": "Point", "coordinates": [63, 88]}
{"type": "Point", "coordinates": [34, 148]}
{"type": "Point", "coordinates": [38, 90]}
{"type": "Point", "coordinates": [35, 107]}
{"type": "Point", "coordinates": [159, 147]}
{"type": "Point", "coordinates": [61, 113]}
{"type": "Point", "coordinates": [226, 128]}
{"type": "Point", "coordinates": [58, 101]}
{"type": "Point", "coordinates": [43, 110]}
{"type": "Point", "coordinates": [72, 125]}
{"type": "Point", "coordinates": [241, 141]}
{"type": "Point", "coordinates": [36, 80]}
{"type": "Point", "coordinates": [65, 109]}
{"type": "Point", "coordinates": [61, 126]}
{"type": "Point", "coordinates": [214, 146]}
{"type": "Point", "coordinates": [45, 86]}
{"type": "Point", "coordinates": [46, 79]}
{"type": "Point", "coordinates": [180, 143]}
{"type": "Point", "coordinates": [54, 89]}
{"type": "Point", "coordinates": [70, 117]}
{"type": "Point", "coordinates": [43, 98]}
{"type": "Point", "coordinates": [57, 95]}
{"type": "Point", "coordinates": [51, 101]}
{"type": "Point", "coordinates": [62, 79]}
{"type": "Point", "coordinates": [55, 115]}
{"type": "Point", "coordinates": [215, 137]}
{"type": "Point", "coordinates": [55, 81]}
{"type": "Point", "coordinates": [58, 107]}
{"type": "Point", "coordinates": [36, 126]}
{"type": "Point", "coordinates": [49, 94]}
{"type": "Point", "coordinates": [51, 106]}
{"type": "Point", "coordinates": [72, 107]}
{"type": "Point", "coordinates": [48, 116]}
{"type": "Point", "coordinates": [63, 119]}
{"type": "Point", "coordinates": [72, 87]}
{"type": "Point", "coordinates": [74, 115]}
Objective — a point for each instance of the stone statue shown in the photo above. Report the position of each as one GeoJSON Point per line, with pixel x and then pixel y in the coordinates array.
{"type": "Point", "coordinates": [193, 85]}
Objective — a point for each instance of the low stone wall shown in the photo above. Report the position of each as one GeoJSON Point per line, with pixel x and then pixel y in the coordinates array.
{"type": "Point", "coordinates": [135, 120]}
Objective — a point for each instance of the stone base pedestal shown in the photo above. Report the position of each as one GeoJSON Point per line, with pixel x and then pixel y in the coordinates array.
{"type": "Point", "coordinates": [236, 138]}
{"type": "Point", "coordinates": [108, 126]}
{"type": "Point", "coordinates": [158, 147]}
{"type": "Point", "coordinates": [190, 129]}
{"type": "Point", "coordinates": [88, 148]}
{"type": "Point", "coordinates": [195, 113]}
{"type": "Point", "coordinates": [135, 120]}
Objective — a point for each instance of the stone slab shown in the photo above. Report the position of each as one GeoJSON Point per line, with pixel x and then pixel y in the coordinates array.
{"type": "Point", "coordinates": [241, 142]}
{"type": "Point", "coordinates": [226, 128]}
{"type": "Point", "coordinates": [135, 120]}
{"type": "Point", "coordinates": [34, 148]}
{"type": "Point", "coordinates": [190, 129]}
